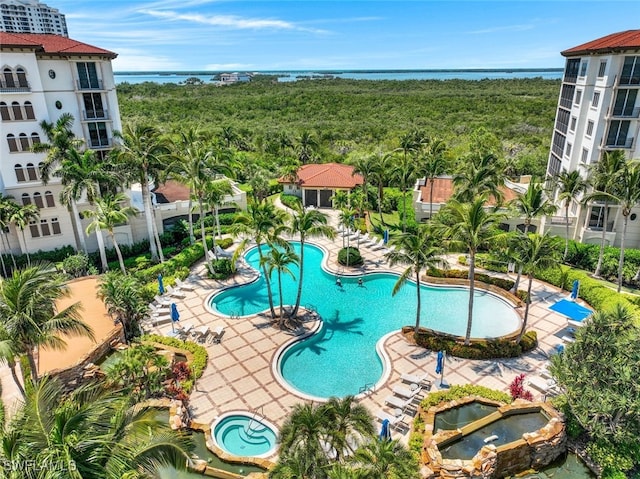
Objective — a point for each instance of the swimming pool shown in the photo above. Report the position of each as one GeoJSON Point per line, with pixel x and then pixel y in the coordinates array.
{"type": "Point", "coordinates": [342, 356]}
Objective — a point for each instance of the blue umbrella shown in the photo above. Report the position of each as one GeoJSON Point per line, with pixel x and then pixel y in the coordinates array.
{"type": "Point", "coordinates": [160, 284]}
{"type": "Point", "coordinates": [385, 431]}
{"type": "Point", "coordinates": [385, 236]}
{"type": "Point", "coordinates": [440, 363]}
{"type": "Point", "coordinates": [175, 316]}
{"type": "Point", "coordinates": [574, 290]}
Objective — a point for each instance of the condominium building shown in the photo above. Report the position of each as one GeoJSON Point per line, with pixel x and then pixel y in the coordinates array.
{"type": "Point", "coordinates": [31, 16]}
{"type": "Point", "coordinates": [42, 77]}
{"type": "Point", "coordinates": [598, 111]}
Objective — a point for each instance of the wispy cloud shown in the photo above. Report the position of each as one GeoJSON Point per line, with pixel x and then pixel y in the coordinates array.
{"type": "Point", "coordinates": [506, 28]}
{"type": "Point", "coordinates": [228, 66]}
{"type": "Point", "coordinates": [135, 60]}
{"type": "Point", "coordinates": [228, 21]}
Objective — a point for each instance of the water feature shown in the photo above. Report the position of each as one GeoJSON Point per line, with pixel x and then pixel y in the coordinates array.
{"type": "Point", "coordinates": [109, 360]}
{"type": "Point", "coordinates": [244, 435]}
{"type": "Point", "coordinates": [462, 415]}
{"type": "Point", "coordinates": [201, 450]}
{"type": "Point", "coordinates": [569, 466]}
{"type": "Point", "coordinates": [355, 317]}
{"type": "Point", "coordinates": [507, 429]}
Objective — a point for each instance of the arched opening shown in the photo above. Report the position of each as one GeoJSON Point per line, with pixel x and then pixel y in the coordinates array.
{"type": "Point", "coordinates": [31, 172]}
{"type": "Point", "coordinates": [35, 138]}
{"type": "Point", "coordinates": [48, 196]}
{"type": "Point", "coordinates": [37, 199]}
{"type": "Point", "coordinates": [9, 81]}
{"type": "Point", "coordinates": [13, 143]}
{"type": "Point", "coordinates": [19, 172]}
{"type": "Point", "coordinates": [24, 142]}
{"type": "Point", "coordinates": [28, 108]}
{"type": "Point", "coordinates": [22, 78]}
{"type": "Point", "coordinates": [4, 111]}
{"type": "Point", "coordinates": [26, 199]}
{"type": "Point", "coordinates": [17, 111]}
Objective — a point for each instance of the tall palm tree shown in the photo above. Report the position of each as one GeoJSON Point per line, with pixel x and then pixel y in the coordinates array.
{"type": "Point", "coordinates": [215, 194]}
{"type": "Point", "coordinates": [21, 217]}
{"type": "Point", "coordinates": [384, 459]}
{"type": "Point", "coordinates": [536, 252]}
{"type": "Point", "coordinates": [471, 226]}
{"type": "Point", "coordinates": [108, 213]}
{"type": "Point", "coordinates": [379, 176]}
{"type": "Point", "coordinates": [263, 223]}
{"type": "Point", "coordinates": [7, 207]}
{"type": "Point", "coordinates": [570, 186]}
{"type": "Point", "coordinates": [9, 353]}
{"type": "Point", "coordinates": [306, 147]}
{"type": "Point", "coordinates": [403, 172]}
{"type": "Point", "coordinates": [434, 164]}
{"type": "Point", "coordinates": [481, 174]}
{"type": "Point", "coordinates": [417, 249]}
{"type": "Point", "coordinates": [60, 142]}
{"type": "Point", "coordinates": [308, 224]}
{"type": "Point", "coordinates": [602, 176]}
{"type": "Point", "coordinates": [123, 298]}
{"type": "Point", "coordinates": [365, 166]}
{"type": "Point", "coordinates": [144, 154]}
{"type": "Point", "coordinates": [27, 306]}
{"type": "Point", "coordinates": [91, 433]}
{"type": "Point", "coordinates": [350, 425]}
{"type": "Point", "coordinates": [280, 261]}
{"type": "Point", "coordinates": [348, 222]}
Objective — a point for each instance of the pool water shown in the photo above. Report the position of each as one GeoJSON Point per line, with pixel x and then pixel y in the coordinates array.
{"type": "Point", "coordinates": [242, 435]}
{"type": "Point", "coordinates": [508, 429]}
{"type": "Point", "coordinates": [462, 415]}
{"type": "Point", "coordinates": [342, 357]}
{"type": "Point", "coordinates": [568, 467]}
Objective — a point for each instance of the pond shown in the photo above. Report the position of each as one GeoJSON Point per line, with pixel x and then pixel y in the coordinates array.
{"type": "Point", "coordinates": [569, 466]}
{"type": "Point", "coordinates": [462, 415]}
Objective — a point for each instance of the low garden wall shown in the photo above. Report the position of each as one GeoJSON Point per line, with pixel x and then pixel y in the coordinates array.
{"type": "Point", "coordinates": [533, 451]}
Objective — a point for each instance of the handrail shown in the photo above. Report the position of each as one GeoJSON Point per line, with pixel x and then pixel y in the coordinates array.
{"type": "Point", "coordinates": [367, 388]}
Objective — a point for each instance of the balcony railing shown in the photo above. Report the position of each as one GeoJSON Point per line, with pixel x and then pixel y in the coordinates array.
{"type": "Point", "coordinates": [561, 220]}
{"type": "Point", "coordinates": [14, 87]}
{"type": "Point", "coordinates": [95, 114]}
{"type": "Point", "coordinates": [626, 143]}
{"type": "Point", "coordinates": [89, 85]}
{"type": "Point", "coordinates": [100, 143]}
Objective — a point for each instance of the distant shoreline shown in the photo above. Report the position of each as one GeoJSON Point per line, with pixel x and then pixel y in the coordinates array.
{"type": "Point", "coordinates": [277, 72]}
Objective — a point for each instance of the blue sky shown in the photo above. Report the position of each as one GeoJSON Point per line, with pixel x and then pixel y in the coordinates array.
{"type": "Point", "coordinates": [301, 35]}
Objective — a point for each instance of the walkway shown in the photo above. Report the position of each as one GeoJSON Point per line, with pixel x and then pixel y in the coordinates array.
{"type": "Point", "coordinates": [239, 374]}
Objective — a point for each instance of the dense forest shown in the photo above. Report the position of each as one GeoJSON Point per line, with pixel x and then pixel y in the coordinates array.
{"type": "Point", "coordinates": [355, 116]}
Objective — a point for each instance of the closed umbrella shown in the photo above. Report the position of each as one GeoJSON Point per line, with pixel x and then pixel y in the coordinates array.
{"type": "Point", "coordinates": [385, 431]}
{"type": "Point", "coordinates": [575, 289]}
{"type": "Point", "coordinates": [175, 316]}
{"type": "Point", "coordinates": [160, 284]}
{"type": "Point", "coordinates": [385, 236]}
{"type": "Point", "coordinates": [440, 366]}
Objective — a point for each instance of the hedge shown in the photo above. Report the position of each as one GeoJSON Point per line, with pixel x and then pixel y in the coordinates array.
{"type": "Point", "coordinates": [490, 349]}
{"type": "Point", "coordinates": [355, 259]}
{"type": "Point", "coordinates": [290, 201]}
{"type": "Point", "coordinates": [200, 355]}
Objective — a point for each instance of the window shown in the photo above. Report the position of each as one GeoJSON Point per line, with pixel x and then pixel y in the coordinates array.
{"type": "Point", "coordinates": [44, 227]}
{"type": "Point", "coordinates": [618, 134]}
{"type": "Point", "coordinates": [571, 70]}
{"type": "Point", "coordinates": [574, 207]}
{"type": "Point", "coordinates": [17, 111]}
{"type": "Point", "coordinates": [55, 226]}
{"type": "Point", "coordinates": [22, 78]}
{"type": "Point", "coordinates": [9, 81]}
{"type": "Point", "coordinates": [630, 71]}
{"type": "Point", "coordinates": [602, 68]}
{"type": "Point", "coordinates": [93, 105]}
{"type": "Point", "coordinates": [596, 99]}
{"type": "Point", "coordinates": [554, 165]}
{"type": "Point", "coordinates": [24, 142]}
{"type": "Point", "coordinates": [35, 138]}
{"type": "Point", "coordinates": [562, 121]}
{"type": "Point", "coordinates": [26, 199]}
{"type": "Point", "coordinates": [19, 173]}
{"type": "Point", "coordinates": [578, 96]}
{"type": "Point", "coordinates": [13, 143]}
{"type": "Point", "coordinates": [590, 128]}
{"type": "Point", "coordinates": [558, 144]}
{"type": "Point", "coordinates": [4, 112]}
{"type": "Point", "coordinates": [568, 152]}
{"type": "Point", "coordinates": [37, 199]}
{"type": "Point", "coordinates": [33, 228]}
{"type": "Point", "coordinates": [596, 218]}
{"type": "Point", "coordinates": [87, 75]}
{"type": "Point", "coordinates": [625, 103]}
{"type": "Point", "coordinates": [48, 196]}
{"type": "Point", "coordinates": [28, 109]}
{"type": "Point", "coordinates": [574, 120]}
{"type": "Point", "coordinates": [98, 134]}
{"type": "Point", "coordinates": [31, 172]}
{"type": "Point", "coordinates": [585, 156]}
{"type": "Point", "coordinates": [566, 95]}
{"type": "Point", "coordinates": [583, 67]}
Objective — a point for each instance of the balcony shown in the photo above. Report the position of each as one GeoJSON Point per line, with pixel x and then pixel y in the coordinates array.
{"type": "Point", "coordinates": [100, 143]}
{"type": "Point", "coordinates": [89, 85]}
{"type": "Point", "coordinates": [14, 87]}
{"type": "Point", "coordinates": [88, 115]}
{"type": "Point", "coordinates": [622, 143]}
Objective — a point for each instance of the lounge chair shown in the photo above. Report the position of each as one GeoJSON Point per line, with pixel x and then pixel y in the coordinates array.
{"type": "Point", "coordinates": [200, 333]}
{"type": "Point", "coordinates": [415, 379]}
{"type": "Point", "coordinates": [406, 392]}
{"type": "Point", "coordinates": [156, 309]}
{"type": "Point", "coordinates": [223, 253]}
{"type": "Point", "coordinates": [378, 245]}
{"type": "Point", "coordinates": [396, 402]}
{"type": "Point", "coordinates": [176, 293]}
{"type": "Point", "coordinates": [162, 300]}
{"type": "Point", "coordinates": [217, 334]}
{"type": "Point", "coordinates": [158, 320]}
{"type": "Point", "coordinates": [542, 385]}
{"type": "Point", "coordinates": [185, 285]}
{"type": "Point", "coordinates": [396, 422]}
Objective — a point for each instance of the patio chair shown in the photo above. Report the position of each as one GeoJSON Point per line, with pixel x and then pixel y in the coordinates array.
{"type": "Point", "coordinates": [406, 392]}
{"type": "Point", "coordinates": [200, 333]}
{"type": "Point", "coordinates": [175, 292]}
{"type": "Point", "coordinates": [161, 300]}
{"type": "Point", "coordinates": [185, 285]}
{"type": "Point", "coordinates": [415, 379]}
{"type": "Point", "coordinates": [156, 309]}
{"type": "Point", "coordinates": [223, 253]}
{"type": "Point", "coordinates": [396, 402]}
{"type": "Point", "coordinates": [159, 320]}
{"type": "Point", "coordinates": [216, 336]}
{"type": "Point", "coordinates": [396, 422]}
{"type": "Point", "coordinates": [378, 245]}
{"type": "Point", "coordinates": [542, 385]}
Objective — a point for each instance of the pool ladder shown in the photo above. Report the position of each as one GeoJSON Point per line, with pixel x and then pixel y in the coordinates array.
{"type": "Point", "coordinates": [367, 388]}
{"type": "Point", "coordinates": [253, 418]}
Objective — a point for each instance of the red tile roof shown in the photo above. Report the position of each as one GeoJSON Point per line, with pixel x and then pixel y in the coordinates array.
{"type": "Point", "coordinates": [629, 39]}
{"type": "Point", "coordinates": [171, 191]}
{"type": "Point", "coordinates": [51, 44]}
{"type": "Point", "coordinates": [443, 190]}
{"type": "Point", "coordinates": [326, 175]}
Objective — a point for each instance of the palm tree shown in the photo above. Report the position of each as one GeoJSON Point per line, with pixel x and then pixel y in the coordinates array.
{"type": "Point", "coordinates": [471, 226]}
{"type": "Point", "coordinates": [143, 155]}
{"type": "Point", "coordinates": [91, 433]}
{"type": "Point", "coordinates": [308, 224]}
{"type": "Point", "coordinates": [280, 261]}
{"type": "Point", "coordinates": [7, 208]}
{"type": "Point", "coordinates": [434, 164]}
{"type": "Point", "coordinates": [350, 424]}
{"type": "Point", "coordinates": [536, 253]}
{"type": "Point", "coordinates": [61, 142]}
{"type": "Point", "coordinates": [21, 217]}
{"type": "Point", "coordinates": [384, 459]}
{"type": "Point", "coordinates": [123, 298]}
{"type": "Point", "coordinates": [602, 176]}
{"type": "Point", "coordinates": [531, 204]}
{"type": "Point", "coordinates": [263, 223]}
{"type": "Point", "coordinates": [380, 163]}
{"type": "Point", "coordinates": [571, 185]}
{"type": "Point", "coordinates": [480, 175]}
{"type": "Point", "coordinates": [403, 172]}
{"type": "Point", "coordinates": [365, 166]}
{"type": "Point", "coordinates": [215, 193]}
{"type": "Point", "coordinates": [417, 249]}
{"type": "Point", "coordinates": [109, 212]}
{"type": "Point", "coordinates": [27, 306]}
{"type": "Point", "coordinates": [306, 147]}
{"type": "Point", "coordinates": [8, 355]}
{"type": "Point", "coordinates": [347, 221]}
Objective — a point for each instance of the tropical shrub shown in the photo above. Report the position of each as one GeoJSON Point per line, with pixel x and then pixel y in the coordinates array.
{"type": "Point", "coordinates": [78, 265]}
{"type": "Point", "coordinates": [291, 201]}
{"type": "Point", "coordinates": [352, 255]}
{"type": "Point", "coordinates": [490, 349]}
{"type": "Point", "coordinates": [200, 355]}
{"type": "Point", "coordinates": [517, 390]}
{"type": "Point", "coordinates": [223, 269]}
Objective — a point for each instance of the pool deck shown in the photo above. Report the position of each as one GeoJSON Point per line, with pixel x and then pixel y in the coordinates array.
{"type": "Point", "coordinates": [239, 374]}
